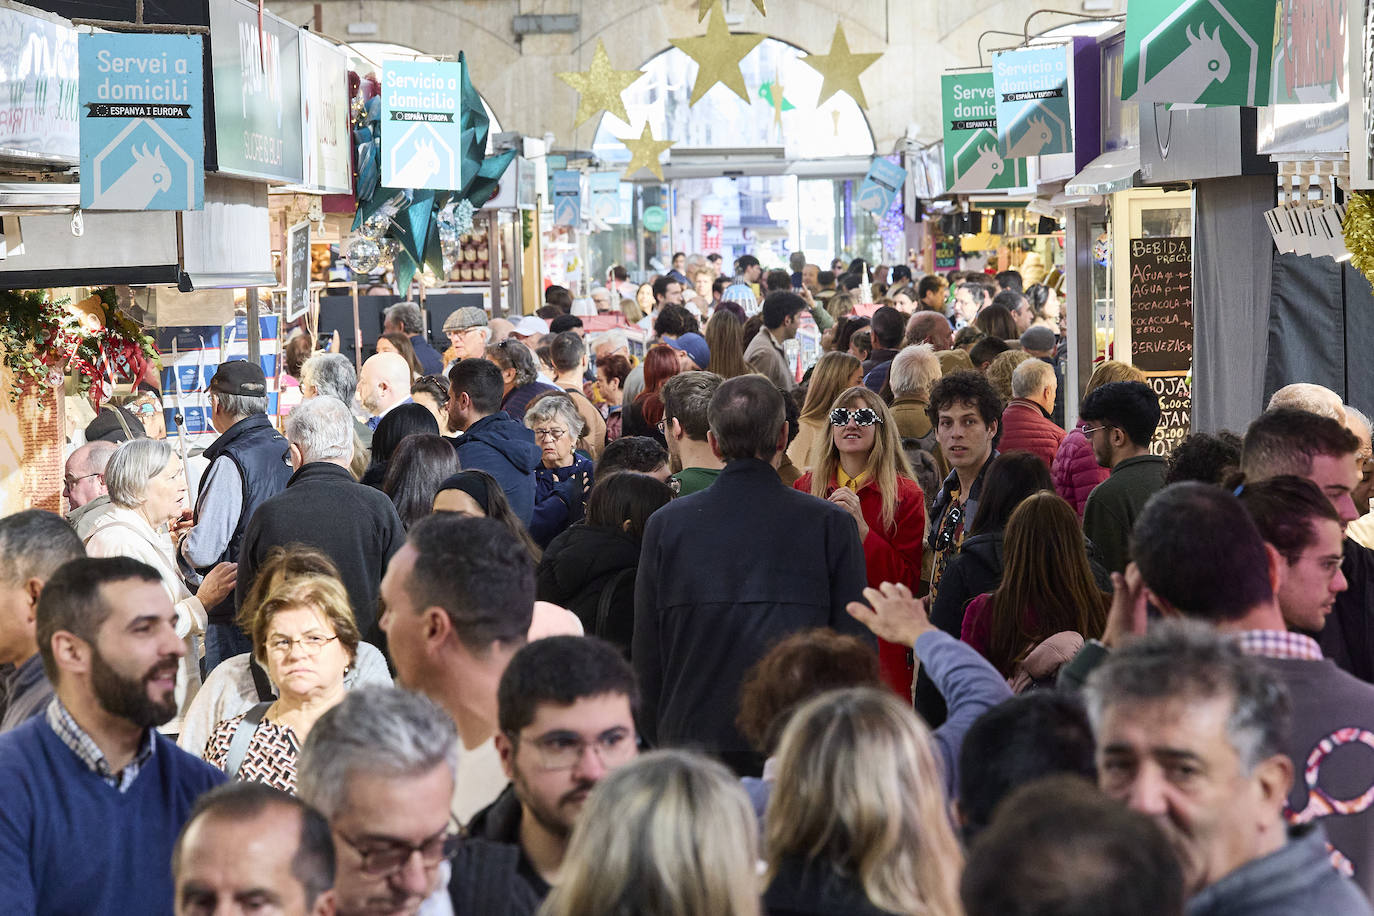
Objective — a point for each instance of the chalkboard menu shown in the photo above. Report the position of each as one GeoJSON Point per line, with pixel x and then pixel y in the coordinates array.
{"type": "Point", "coordinates": [1175, 411]}
{"type": "Point", "coordinates": [297, 270]}
{"type": "Point", "coordinates": [1162, 304]}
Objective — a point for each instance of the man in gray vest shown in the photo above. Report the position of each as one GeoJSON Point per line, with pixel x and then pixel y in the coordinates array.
{"type": "Point", "coordinates": [248, 465]}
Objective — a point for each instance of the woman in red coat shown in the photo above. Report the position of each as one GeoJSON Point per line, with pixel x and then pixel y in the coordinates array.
{"type": "Point", "coordinates": [863, 469]}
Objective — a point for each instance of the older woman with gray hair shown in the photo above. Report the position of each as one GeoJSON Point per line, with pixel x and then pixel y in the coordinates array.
{"type": "Point", "coordinates": [147, 488]}
{"type": "Point", "coordinates": [564, 478]}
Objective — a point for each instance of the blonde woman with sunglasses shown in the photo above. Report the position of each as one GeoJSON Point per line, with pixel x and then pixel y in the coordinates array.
{"type": "Point", "coordinates": [860, 466]}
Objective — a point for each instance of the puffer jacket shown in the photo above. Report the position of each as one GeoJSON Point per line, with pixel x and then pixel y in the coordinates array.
{"type": "Point", "coordinates": [1025, 427]}
{"type": "Point", "coordinates": [577, 569]}
{"type": "Point", "coordinates": [1075, 470]}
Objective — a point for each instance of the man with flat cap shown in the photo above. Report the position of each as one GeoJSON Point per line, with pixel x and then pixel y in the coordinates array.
{"type": "Point", "coordinates": [249, 463]}
{"type": "Point", "coordinates": [468, 330]}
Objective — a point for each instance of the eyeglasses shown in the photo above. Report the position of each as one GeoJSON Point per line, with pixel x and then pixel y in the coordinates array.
{"type": "Point", "coordinates": [311, 644]}
{"type": "Point", "coordinates": [70, 482]}
{"type": "Point", "coordinates": [864, 416]}
{"type": "Point", "coordinates": [1089, 430]}
{"type": "Point", "coordinates": [947, 528]}
{"type": "Point", "coordinates": [553, 434]}
{"type": "Point", "coordinates": [390, 856]}
{"type": "Point", "coordinates": [563, 750]}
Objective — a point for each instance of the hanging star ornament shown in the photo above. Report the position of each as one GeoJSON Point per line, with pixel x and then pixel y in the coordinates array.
{"type": "Point", "coordinates": [600, 87]}
{"type": "Point", "coordinates": [840, 69]}
{"type": "Point", "coordinates": [644, 153]}
{"type": "Point", "coordinates": [704, 7]}
{"type": "Point", "coordinates": [718, 54]}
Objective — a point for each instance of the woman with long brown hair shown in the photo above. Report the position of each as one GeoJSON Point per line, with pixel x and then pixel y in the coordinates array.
{"type": "Point", "coordinates": [725, 337]}
{"type": "Point", "coordinates": [832, 374]}
{"type": "Point", "coordinates": [646, 412]}
{"type": "Point", "coordinates": [1047, 586]}
{"type": "Point", "coordinates": [861, 467]}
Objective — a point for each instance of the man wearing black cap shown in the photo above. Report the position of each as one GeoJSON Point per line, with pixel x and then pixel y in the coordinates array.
{"type": "Point", "coordinates": [248, 465]}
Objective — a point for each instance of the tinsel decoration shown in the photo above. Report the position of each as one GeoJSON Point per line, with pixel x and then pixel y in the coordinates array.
{"type": "Point", "coordinates": [414, 213]}
{"type": "Point", "coordinates": [1358, 229]}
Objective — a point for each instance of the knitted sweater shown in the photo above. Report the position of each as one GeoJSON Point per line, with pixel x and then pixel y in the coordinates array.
{"type": "Point", "coordinates": [72, 844]}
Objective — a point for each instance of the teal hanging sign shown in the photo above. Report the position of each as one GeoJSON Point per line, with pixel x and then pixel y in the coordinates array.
{"type": "Point", "coordinates": [973, 161]}
{"type": "Point", "coordinates": [142, 123]}
{"type": "Point", "coordinates": [422, 131]}
{"type": "Point", "coordinates": [1204, 52]}
{"type": "Point", "coordinates": [1033, 110]}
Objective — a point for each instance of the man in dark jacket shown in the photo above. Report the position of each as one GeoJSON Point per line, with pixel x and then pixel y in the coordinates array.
{"type": "Point", "coordinates": [559, 698]}
{"type": "Point", "coordinates": [324, 507]}
{"type": "Point", "coordinates": [249, 465]}
{"type": "Point", "coordinates": [491, 441]}
{"type": "Point", "coordinates": [406, 318]}
{"type": "Point", "coordinates": [1121, 418]}
{"type": "Point", "coordinates": [726, 572]}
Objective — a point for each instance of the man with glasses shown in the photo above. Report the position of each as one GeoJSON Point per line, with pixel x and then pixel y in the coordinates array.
{"type": "Point", "coordinates": [380, 768]}
{"type": "Point", "coordinates": [567, 720]}
{"type": "Point", "coordinates": [467, 330]}
{"type": "Point", "coordinates": [83, 483]}
{"type": "Point", "coordinates": [1119, 421]}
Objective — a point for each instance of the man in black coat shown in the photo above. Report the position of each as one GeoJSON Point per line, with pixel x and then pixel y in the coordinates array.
{"type": "Point", "coordinates": [324, 507]}
{"type": "Point", "coordinates": [727, 572]}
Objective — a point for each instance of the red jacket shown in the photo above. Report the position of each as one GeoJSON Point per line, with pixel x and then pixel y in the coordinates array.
{"type": "Point", "coordinates": [1075, 471]}
{"type": "Point", "coordinates": [1025, 427]}
{"type": "Point", "coordinates": [891, 555]}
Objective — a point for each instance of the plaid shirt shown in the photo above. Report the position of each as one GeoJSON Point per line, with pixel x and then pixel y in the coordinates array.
{"type": "Point", "coordinates": [85, 748]}
{"type": "Point", "coordinates": [1279, 644]}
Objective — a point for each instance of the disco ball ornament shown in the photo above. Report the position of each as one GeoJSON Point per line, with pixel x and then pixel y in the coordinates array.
{"type": "Point", "coordinates": [375, 226]}
{"type": "Point", "coordinates": [364, 255]}
{"type": "Point", "coordinates": [390, 248]}
{"type": "Point", "coordinates": [462, 216]}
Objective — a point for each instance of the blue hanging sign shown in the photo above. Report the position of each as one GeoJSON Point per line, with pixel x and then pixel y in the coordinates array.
{"type": "Point", "coordinates": [881, 185]}
{"type": "Point", "coordinates": [142, 122]}
{"type": "Point", "coordinates": [1033, 105]}
{"type": "Point", "coordinates": [567, 197]}
{"type": "Point", "coordinates": [605, 193]}
{"type": "Point", "coordinates": [422, 129]}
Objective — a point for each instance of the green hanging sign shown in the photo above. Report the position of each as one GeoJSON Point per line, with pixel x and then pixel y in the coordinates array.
{"type": "Point", "coordinates": [1204, 52]}
{"type": "Point", "coordinates": [972, 160]}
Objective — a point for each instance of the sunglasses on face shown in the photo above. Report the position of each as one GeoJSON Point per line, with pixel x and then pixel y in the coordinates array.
{"type": "Point", "coordinates": [864, 416]}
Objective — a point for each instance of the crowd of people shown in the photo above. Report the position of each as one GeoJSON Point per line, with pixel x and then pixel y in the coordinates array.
{"type": "Point", "coordinates": [542, 625]}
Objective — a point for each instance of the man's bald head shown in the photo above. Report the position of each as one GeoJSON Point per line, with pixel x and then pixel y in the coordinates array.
{"type": "Point", "coordinates": [384, 382]}
{"type": "Point", "coordinates": [85, 472]}
{"type": "Point", "coordinates": [500, 329]}
{"type": "Point", "coordinates": [929, 327]}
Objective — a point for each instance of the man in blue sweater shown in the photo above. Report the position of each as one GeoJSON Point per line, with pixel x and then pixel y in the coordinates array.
{"type": "Point", "coordinates": [91, 796]}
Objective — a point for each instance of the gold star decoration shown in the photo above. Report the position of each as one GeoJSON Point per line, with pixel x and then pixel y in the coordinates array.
{"type": "Point", "coordinates": [704, 7]}
{"type": "Point", "coordinates": [644, 153]}
{"type": "Point", "coordinates": [841, 69]}
{"type": "Point", "coordinates": [600, 87]}
{"type": "Point", "coordinates": [718, 54]}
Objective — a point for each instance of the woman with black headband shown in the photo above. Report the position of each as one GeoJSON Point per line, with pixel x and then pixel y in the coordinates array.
{"type": "Point", "coordinates": [477, 493]}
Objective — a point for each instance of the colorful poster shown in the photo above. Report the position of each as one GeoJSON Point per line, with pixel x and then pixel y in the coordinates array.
{"type": "Point", "coordinates": [422, 131]}
{"type": "Point", "coordinates": [605, 195]}
{"type": "Point", "coordinates": [142, 122]}
{"type": "Point", "coordinates": [1207, 52]}
{"type": "Point", "coordinates": [38, 76]}
{"type": "Point", "coordinates": [567, 197]}
{"type": "Point", "coordinates": [881, 185]}
{"type": "Point", "coordinates": [1034, 115]}
{"type": "Point", "coordinates": [712, 228]}
{"type": "Point", "coordinates": [257, 89]}
{"type": "Point", "coordinates": [972, 159]}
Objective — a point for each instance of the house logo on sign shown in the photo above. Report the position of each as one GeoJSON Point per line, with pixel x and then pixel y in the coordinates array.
{"type": "Point", "coordinates": [1197, 46]}
{"type": "Point", "coordinates": [140, 163]}
{"type": "Point", "coordinates": [422, 158]}
{"type": "Point", "coordinates": [978, 162]}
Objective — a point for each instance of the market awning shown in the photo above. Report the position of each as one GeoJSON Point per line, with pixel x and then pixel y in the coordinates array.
{"type": "Point", "coordinates": [1107, 174]}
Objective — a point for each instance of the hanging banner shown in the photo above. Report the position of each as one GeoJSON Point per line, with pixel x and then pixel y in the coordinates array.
{"type": "Point", "coordinates": [1310, 100]}
{"type": "Point", "coordinates": [422, 130]}
{"type": "Point", "coordinates": [1207, 52]}
{"type": "Point", "coordinates": [256, 65]}
{"type": "Point", "coordinates": [142, 124]}
{"type": "Point", "coordinates": [972, 160]}
{"type": "Point", "coordinates": [567, 197]}
{"type": "Point", "coordinates": [324, 81]}
{"type": "Point", "coordinates": [1033, 108]}
{"type": "Point", "coordinates": [605, 195]}
{"type": "Point", "coordinates": [881, 185]}
{"type": "Point", "coordinates": [38, 75]}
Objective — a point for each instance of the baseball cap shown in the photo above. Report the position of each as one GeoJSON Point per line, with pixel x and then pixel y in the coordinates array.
{"type": "Point", "coordinates": [469, 316]}
{"type": "Point", "coordinates": [107, 428]}
{"type": "Point", "coordinates": [694, 345]}
{"type": "Point", "coordinates": [530, 325]}
{"type": "Point", "coordinates": [240, 377]}
{"type": "Point", "coordinates": [1037, 337]}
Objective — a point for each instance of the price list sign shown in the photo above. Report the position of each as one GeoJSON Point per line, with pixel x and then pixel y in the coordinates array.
{"type": "Point", "coordinates": [1162, 304]}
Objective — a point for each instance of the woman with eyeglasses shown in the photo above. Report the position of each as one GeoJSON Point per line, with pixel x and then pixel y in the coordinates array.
{"type": "Point", "coordinates": [305, 635]}
{"type": "Point", "coordinates": [564, 476]}
{"type": "Point", "coordinates": [861, 468]}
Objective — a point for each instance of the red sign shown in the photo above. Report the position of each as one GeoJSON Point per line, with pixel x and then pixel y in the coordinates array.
{"type": "Point", "coordinates": [712, 224]}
